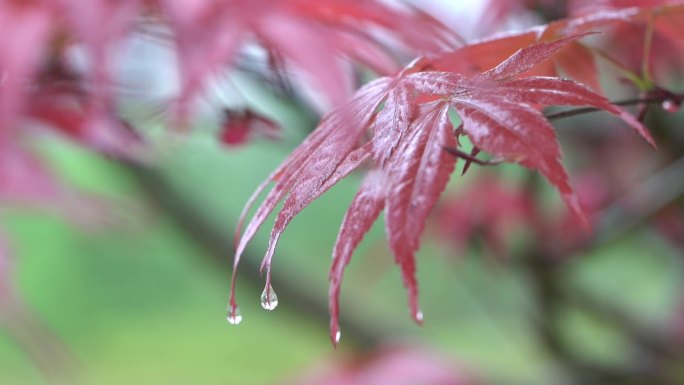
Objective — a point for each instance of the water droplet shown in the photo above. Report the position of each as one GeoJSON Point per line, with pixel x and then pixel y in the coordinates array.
{"type": "Point", "coordinates": [269, 299]}
{"type": "Point", "coordinates": [670, 105]}
{"type": "Point", "coordinates": [234, 315]}
{"type": "Point", "coordinates": [419, 316]}
{"type": "Point", "coordinates": [337, 337]}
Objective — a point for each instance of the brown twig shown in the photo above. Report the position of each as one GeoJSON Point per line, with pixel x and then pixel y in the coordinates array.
{"type": "Point", "coordinates": [470, 158]}
{"type": "Point", "coordinates": [548, 287]}
{"type": "Point", "coordinates": [657, 96]}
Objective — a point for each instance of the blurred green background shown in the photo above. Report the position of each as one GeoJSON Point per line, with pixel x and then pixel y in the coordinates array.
{"type": "Point", "coordinates": [143, 300]}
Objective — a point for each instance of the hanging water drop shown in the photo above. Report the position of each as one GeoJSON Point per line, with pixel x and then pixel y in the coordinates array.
{"type": "Point", "coordinates": [337, 337]}
{"type": "Point", "coordinates": [671, 105]}
{"type": "Point", "coordinates": [234, 315]}
{"type": "Point", "coordinates": [419, 316]}
{"type": "Point", "coordinates": [269, 299]}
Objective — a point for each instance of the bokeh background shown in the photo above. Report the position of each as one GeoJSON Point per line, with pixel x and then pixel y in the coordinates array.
{"type": "Point", "coordinates": [139, 295]}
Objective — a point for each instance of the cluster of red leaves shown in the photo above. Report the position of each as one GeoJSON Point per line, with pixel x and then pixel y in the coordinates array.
{"type": "Point", "coordinates": [309, 36]}
{"type": "Point", "coordinates": [487, 211]}
{"type": "Point", "coordinates": [498, 88]}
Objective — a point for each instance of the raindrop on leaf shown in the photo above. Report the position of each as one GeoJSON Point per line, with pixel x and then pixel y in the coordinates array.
{"type": "Point", "coordinates": [670, 105]}
{"type": "Point", "coordinates": [234, 315]}
{"type": "Point", "coordinates": [269, 299]}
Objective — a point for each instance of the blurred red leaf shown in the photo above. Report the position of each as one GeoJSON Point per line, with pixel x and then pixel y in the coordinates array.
{"type": "Point", "coordinates": [400, 365]}
{"type": "Point", "coordinates": [670, 224]}
{"type": "Point", "coordinates": [307, 35]}
{"type": "Point", "coordinates": [583, 7]}
{"type": "Point", "coordinates": [65, 107]}
{"type": "Point", "coordinates": [100, 25]}
{"type": "Point", "coordinates": [488, 208]}
{"type": "Point", "coordinates": [25, 27]}
{"type": "Point", "coordinates": [27, 183]}
{"type": "Point", "coordinates": [239, 126]}
{"type": "Point", "coordinates": [23, 178]}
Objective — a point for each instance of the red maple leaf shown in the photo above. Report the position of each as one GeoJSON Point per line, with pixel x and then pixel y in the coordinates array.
{"type": "Point", "coordinates": [621, 26]}
{"type": "Point", "coordinates": [408, 116]}
{"type": "Point", "coordinates": [574, 59]}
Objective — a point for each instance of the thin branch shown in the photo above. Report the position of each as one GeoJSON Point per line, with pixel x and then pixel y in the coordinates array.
{"type": "Point", "coordinates": [463, 155]}
{"type": "Point", "coordinates": [641, 203]}
{"type": "Point", "coordinates": [657, 96]}
{"type": "Point", "coordinates": [647, 338]}
{"type": "Point", "coordinates": [547, 284]}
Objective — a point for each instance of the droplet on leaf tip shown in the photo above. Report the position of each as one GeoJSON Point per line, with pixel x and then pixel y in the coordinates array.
{"type": "Point", "coordinates": [234, 315]}
{"type": "Point", "coordinates": [337, 337]}
{"type": "Point", "coordinates": [419, 317]}
{"type": "Point", "coordinates": [269, 299]}
{"type": "Point", "coordinates": [670, 105]}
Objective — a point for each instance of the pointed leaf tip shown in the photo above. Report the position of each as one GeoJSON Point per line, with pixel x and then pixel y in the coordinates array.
{"type": "Point", "coordinates": [526, 58]}
{"type": "Point", "coordinates": [572, 201]}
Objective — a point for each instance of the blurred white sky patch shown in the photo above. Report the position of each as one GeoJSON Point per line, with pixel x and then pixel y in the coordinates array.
{"type": "Point", "coordinates": [460, 15]}
{"type": "Point", "coordinates": [472, 18]}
